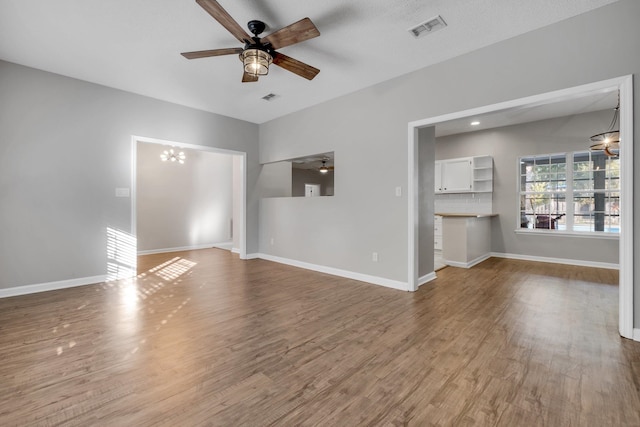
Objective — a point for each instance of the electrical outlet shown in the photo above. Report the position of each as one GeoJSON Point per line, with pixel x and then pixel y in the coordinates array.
{"type": "Point", "coordinates": [273, 241]}
{"type": "Point", "coordinates": [398, 191]}
{"type": "Point", "coordinates": [374, 257]}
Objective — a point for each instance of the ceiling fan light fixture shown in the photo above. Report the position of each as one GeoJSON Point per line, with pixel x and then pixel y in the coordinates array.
{"type": "Point", "coordinates": [324, 168]}
{"type": "Point", "coordinates": [172, 156]}
{"type": "Point", "coordinates": [256, 61]}
{"type": "Point", "coordinates": [609, 141]}
{"type": "Point", "coordinates": [608, 137]}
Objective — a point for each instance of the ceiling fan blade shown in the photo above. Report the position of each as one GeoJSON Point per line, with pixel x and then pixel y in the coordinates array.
{"type": "Point", "coordinates": [219, 14]}
{"type": "Point", "coordinates": [212, 52]}
{"type": "Point", "coordinates": [295, 66]}
{"type": "Point", "coordinates": [248, 78]}
{"type": "Point", "coordinates": [297, 32]}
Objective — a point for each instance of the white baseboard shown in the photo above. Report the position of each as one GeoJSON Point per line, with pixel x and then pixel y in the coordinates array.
{"type": "Point", "coordinates": [636, 334]}
{"type": "Point", "coordinates": [467, 264]}
{"type": "Point", "coordinates": [235, 250]}
{"type": "Point", "coordinates": [253, 256]}
{"type": "Point", "coordinates": [224, 245]}
{"type": "Point", "coordinates": [51, 286]}
{"type": "Point", "coordinates": [426, 278]}
{"type": "Point", "coordinates": [580, 263]}
{"type": "Point", "coordinates": [389, 283]}
{"type": "Point", "coordinates": [221, 245]}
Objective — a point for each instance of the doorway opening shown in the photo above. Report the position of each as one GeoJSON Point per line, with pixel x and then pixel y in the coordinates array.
{"type": "Point", "coordinates": [311, 190]}
{"type": "Point", "coordinates": [421, 134]}
{"type": "Point", "coordinates": [235, 227]}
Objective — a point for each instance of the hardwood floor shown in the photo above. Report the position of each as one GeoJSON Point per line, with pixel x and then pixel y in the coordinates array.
{"type": "Point", "coordinates": [201, 338]}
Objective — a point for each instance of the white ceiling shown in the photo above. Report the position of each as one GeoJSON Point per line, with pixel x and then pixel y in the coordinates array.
{"type": "Point", "coordinates": [135, 45]}
{"type": "Point", "coordinates": [313, 162]}
{"type": "Point", "coordinates": [584, 103]}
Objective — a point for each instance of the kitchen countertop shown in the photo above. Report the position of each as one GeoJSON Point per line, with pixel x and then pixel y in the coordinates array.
{"type": "Point", "coordinates": [465, 215]}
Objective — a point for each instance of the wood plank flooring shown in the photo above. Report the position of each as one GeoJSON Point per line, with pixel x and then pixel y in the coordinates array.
{"type": "Point", "coordinates": [201, 338]}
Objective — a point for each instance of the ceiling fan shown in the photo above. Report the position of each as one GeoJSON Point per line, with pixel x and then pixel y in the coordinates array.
{"type": "Point", "coordinates": [258, 53]}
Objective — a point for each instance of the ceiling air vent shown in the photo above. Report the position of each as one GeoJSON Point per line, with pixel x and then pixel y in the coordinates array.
{"type": "Point", "coordinates": [269, 97]}
{"type": "Point", "coordinates": [428, 27]}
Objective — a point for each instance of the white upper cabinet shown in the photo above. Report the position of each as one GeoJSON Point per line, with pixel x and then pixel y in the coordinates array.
{"type": "Point", "coordinates": [456, 175]}
{"type": "Point", "coordinates": [464, 175]}
{"type": "Point", "coordinates": [483, 174]}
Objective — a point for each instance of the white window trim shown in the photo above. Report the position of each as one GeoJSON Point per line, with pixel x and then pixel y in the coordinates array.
{"type": "Point", "coordinates": [564, 233]}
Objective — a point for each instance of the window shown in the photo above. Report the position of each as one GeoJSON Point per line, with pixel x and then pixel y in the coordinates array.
{"type": "Point", "coordinates": [576, 192]}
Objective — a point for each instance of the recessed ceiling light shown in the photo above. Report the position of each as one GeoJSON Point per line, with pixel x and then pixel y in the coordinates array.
{"type": "Point", "coordinates": [476, 123]}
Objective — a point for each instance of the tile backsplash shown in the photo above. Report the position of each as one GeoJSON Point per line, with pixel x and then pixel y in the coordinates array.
{"type": "Point", "coordinates": [480, 203]}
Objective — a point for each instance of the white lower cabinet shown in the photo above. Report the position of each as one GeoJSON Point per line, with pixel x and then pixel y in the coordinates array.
{"type": "Point", "coordinates": [437, 232]}
{"type": "Point", "coordinates": [468, 239]}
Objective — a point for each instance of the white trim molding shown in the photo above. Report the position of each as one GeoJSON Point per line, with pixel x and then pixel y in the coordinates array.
{"type": "Point", "coordinates": [221, 245]}
{"type": "Point", "coordinates": [559, 233]}
{"type": "Point", "coordinates": [51, 286]}
{"type": "Point", "coordinates": [413, 204]}
{"type": "Point", "coordinates": [636, 334]}
{"type": "Point", "coordinates": [468, 264]}
{"type": "Point", "coordinates": [626, 207]}
{"type": "Point", "coordinates": [566, 261]}
{"type": "Point", "coordinates": [242, 214]}
{"type": "Point", "coordinates": [389, 283]}
{"type": "Point", "coordinates": [251, 256]}
{"type": "Point", "coordinates": [624, 85]}
{"type": "Point", "coordinates": [427, 278]}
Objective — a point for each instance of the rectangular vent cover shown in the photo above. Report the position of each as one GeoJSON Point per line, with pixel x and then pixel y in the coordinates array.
{"type": "Point", "coordinates": [269, 97]}
{"type": "Point", "coordinates": [428, 27]}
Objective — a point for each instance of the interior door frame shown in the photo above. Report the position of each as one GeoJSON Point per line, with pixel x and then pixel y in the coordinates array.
{"type": "Point", "coordinates": [243, 182]}
{"type": "Point", "coordinates": [625, 85]}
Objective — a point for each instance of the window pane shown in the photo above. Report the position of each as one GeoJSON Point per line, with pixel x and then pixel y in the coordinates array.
{"type": "Point", "coordinates": [613, 167]}
{"type": "Point", "coordinates": [583, 223]}
{"type": "Point", "coordinates": [525, 220]}
{"type": "Point", "coordinates": [583, 207]}
{"type": "Point", "coordinates": [582, 183]}
{"type": "Point", "coordinates": [595, 192]}
{"type": "Point", "coordinates": [612, 184]}
{"type": "Point", "coordinates": [561, 222]}
{"type": "Point", "coordinates": [612, 213]}
{"type": "Point", "coordinates": [543, 178]}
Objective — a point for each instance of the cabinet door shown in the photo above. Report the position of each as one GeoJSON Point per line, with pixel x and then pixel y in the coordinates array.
{"type": "Point", "coordinates": [457, 175]}
{"type": "Point", "coordinates": [438, 177]}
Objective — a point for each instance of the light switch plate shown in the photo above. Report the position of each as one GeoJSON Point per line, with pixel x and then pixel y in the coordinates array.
{"type": "Point", "coordinates": [123, 192]}
{"type": "Point", "coordinates": [398, 191]}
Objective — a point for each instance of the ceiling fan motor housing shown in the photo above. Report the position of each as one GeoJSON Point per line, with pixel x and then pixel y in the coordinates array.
{"type": "Point", "coordinates": [256, 27]}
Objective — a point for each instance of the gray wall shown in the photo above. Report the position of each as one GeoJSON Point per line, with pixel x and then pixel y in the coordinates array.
{"type": "Point", "coordinates": [65, 145]}
{"type": "Point", "coordinates": [505, 145]}
{"type": "Point", "coordinates": [182, 205]}
{"type": "Point", "coordinates": [369, 127]}
{"type": "Point", "coordinates": [426, 190]}
{"type": "Point", "coordinates": [275, 180]}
